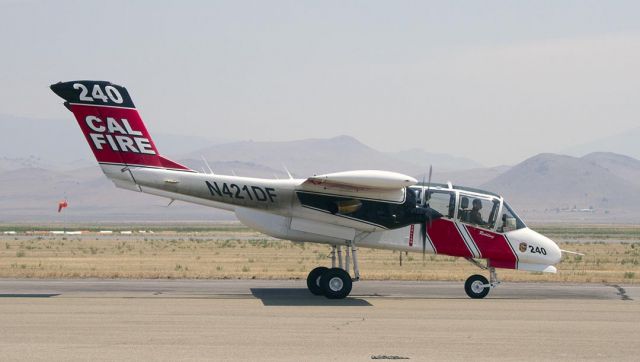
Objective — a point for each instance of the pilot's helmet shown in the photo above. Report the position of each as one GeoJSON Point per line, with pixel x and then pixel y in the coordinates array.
{"type": "Point", "coordinates": [477, 203]}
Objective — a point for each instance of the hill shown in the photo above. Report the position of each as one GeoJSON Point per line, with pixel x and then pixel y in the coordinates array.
{"type": "Point", "coordinates": [552, 184]}
{"type": "Point", "coordinates": [306, 157]}
{"type": "Point", "coordinates": [603, 187]}
{"type": "Point", "coordinates": [625, 143]}
{"type": "Point", "coordinates": [625, 167]}
{"type": "Point", "coordinates": [59, 145]}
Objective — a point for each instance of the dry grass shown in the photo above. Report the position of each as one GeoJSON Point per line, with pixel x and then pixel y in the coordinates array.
{"type": "Point", "coordinates": [241, 253]}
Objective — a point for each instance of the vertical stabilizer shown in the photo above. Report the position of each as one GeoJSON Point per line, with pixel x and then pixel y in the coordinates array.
{"type": "Point", "coordinates": [111, 124]}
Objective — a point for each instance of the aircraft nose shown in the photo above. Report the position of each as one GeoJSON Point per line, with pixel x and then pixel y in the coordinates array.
{"type": "Point", "coordinates": [553, 251]}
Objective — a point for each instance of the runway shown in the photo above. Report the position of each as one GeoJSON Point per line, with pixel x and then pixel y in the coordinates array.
{"type": "Point", "coordinates": [280, 320]}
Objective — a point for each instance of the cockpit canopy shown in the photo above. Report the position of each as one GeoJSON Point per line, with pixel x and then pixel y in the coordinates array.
{"type": "Point", "coordinates": [479, 208]}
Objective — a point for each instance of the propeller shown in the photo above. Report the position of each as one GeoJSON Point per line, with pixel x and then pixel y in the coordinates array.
{"type": "Point", "coordinates": [422, 194]}
{"type": "Point", "coordinates": [424, 202]}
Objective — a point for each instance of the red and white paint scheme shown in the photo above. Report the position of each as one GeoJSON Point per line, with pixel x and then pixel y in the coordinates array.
{"type": "Point", "coordinates": [345, 210]}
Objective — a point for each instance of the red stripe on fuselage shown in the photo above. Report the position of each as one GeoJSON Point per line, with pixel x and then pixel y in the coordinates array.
{"type": "Point", "coordinates": [446, 239]}
{"type": "Point", "coordinates": [494, 247]}
{"type": "Point", "coordinates": [411, 229]}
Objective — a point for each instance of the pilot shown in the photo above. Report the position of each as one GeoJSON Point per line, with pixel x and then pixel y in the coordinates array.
{"type": "Point", "coordinates": [474, 215]}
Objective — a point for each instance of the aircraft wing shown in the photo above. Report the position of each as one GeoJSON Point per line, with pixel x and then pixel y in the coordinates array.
{"type": "Point", "coordinates": [368, 184]}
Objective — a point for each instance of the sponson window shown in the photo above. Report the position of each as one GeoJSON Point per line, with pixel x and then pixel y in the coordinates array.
{"type": "Point", "coordinates": [387, 214]}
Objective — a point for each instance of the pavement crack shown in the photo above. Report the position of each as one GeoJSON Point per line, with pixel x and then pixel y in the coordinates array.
{"type": "Point", "coordinates": [621, 291]}
{"type": "Point", "coordinates": [347, 323]}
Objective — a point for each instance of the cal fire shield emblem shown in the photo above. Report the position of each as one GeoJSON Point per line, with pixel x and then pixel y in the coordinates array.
{"type": "Point", "coordinates": [523, 247]}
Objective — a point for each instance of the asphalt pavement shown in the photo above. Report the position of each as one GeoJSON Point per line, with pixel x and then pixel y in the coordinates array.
{"type": "Point", "coordinates": [279, 320]}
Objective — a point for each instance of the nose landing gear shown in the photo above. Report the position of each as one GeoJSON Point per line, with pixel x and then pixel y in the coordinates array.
{"type": "Point", "coordinates": [335, 282]}
{"type": "Point", "coordinates": [477, 286]}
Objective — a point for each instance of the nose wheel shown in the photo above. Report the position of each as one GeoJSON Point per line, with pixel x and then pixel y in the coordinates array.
{"type": "Point", "coordinates": [477, 286]}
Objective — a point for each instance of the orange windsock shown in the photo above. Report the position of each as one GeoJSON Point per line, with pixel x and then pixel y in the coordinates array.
{"type": "Point", "coordinates": [62, 204]}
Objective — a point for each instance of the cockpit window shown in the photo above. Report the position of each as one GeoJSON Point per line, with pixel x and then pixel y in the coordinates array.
{"type": "Point", "coordinates": [443, 202]}
{"type": "Point", "coordinates": [509, 220]}
{"type": "Point", "coordinates": [478, 211]}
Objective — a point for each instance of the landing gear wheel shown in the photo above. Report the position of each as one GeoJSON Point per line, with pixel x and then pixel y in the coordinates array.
{"type": "Point", "coordinates": [313, 280]}
{"type": "Point", "coordinates": [477, 287]}
{"type": "Point", "coordinates": [336, 283]}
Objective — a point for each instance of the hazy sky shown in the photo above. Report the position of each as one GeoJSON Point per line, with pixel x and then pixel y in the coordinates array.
{"type": "Point", "coordinates": [496, 81]}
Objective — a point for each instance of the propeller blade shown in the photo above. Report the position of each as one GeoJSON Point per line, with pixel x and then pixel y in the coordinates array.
{"type": "Point", "coordinates": [428, 185]}
{"type": "Point", "coordinates": [423, 235]}
{"type": "Point", "coordinates": [427, 222]}
{"type": "Point", "coordinates": [422, 196]}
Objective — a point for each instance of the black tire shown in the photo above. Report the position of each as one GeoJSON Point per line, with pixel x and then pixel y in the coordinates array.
{"type": "Point", "coordinates": [336, 283]}
{"type": "Point", "coordinates": [473, 284]}
{"type": "Point", "coordinates": [313, 280]}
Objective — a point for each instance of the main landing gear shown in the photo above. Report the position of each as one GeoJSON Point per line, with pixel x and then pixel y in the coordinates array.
{"type": "Point", "coordinates": [335, 282]}
{"type": "Point", "coordinates": [477, 286]}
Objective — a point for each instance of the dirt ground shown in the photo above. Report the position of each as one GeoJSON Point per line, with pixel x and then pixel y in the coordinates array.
{"type": "Point", "coordinates": [612, 256]}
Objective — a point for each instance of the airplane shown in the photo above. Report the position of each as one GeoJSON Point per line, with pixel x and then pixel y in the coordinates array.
{"type": "Point", "coordinates": [350, 209]}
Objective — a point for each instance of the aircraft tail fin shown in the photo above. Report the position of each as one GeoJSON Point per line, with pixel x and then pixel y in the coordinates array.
{"type": "Point", "coordinates": [111, 124]}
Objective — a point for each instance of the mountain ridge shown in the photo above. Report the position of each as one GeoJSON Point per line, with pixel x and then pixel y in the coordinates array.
{"type": "Point", "coordinates": [542, 187]}
{"type": "Point", "coordinates": [551, 183]}
{"type": "Point", "coordinates": [624, 143]}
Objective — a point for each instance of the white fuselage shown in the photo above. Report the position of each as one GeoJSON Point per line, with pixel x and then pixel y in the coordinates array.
{"type": "Point", "coordinates": [272, 207]}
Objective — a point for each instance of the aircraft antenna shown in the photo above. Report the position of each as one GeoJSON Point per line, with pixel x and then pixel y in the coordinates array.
{"type": "Point", "coordinates": [571, 252]}
{"type": "Point", "coordinates": [207, 164]}
{"type": "Point", "coordinates": [287, 170]}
